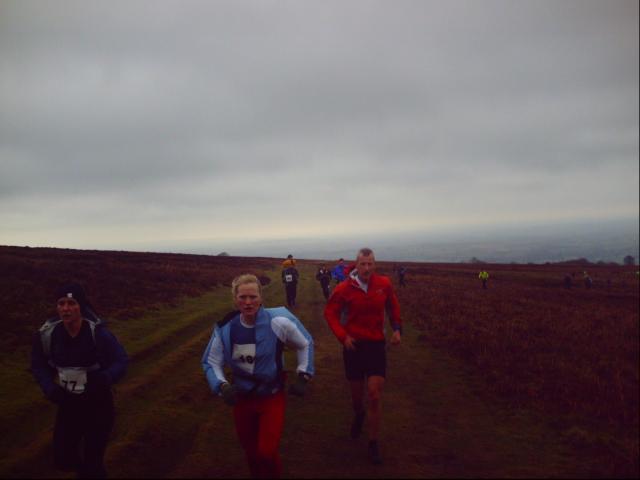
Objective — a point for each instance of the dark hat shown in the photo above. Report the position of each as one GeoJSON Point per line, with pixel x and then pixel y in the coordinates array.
{"type": "Point", "coordinates": [74, 291]}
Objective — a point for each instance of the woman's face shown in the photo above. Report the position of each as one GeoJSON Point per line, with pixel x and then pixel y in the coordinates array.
{"type": "Point", "coordinates": [248, 300]}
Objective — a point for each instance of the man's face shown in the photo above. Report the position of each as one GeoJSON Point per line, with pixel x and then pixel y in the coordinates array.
{"type": "Point", "coordinates": [365, 265]}
{"type": "Point", "coordinates": [69, 310]}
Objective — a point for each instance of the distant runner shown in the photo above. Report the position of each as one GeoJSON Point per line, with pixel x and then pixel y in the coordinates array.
{"type": "Point", "coordinates": [250, 342]}
{"type": "Point", "coordinates": [85, 359]}
{"type": "Point", "coordinates": [324, 277]}
{"type": "Point", "coordinates": [288, 262]}
{"type": "Point", "coordinates": [338, 272]}
{"type": "Point", "coordinates": [484, 276]}
{"type": "Point", "coordinates": [364, 298]}
{"type": "Point", "coordinates": [290, 280]}
{"type": "Point", "coordinates": [401, 273]}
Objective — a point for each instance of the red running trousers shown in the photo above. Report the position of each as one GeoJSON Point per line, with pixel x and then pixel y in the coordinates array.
{"type": "Point", "coordinates": [259, 422]}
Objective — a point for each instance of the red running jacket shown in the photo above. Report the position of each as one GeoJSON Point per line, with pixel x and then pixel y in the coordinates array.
{"type": "Point", "coordinates": [364, 311]}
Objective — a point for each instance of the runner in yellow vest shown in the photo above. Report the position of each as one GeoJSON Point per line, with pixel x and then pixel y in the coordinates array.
{"type": "Point", "coordinates": [484, 276]}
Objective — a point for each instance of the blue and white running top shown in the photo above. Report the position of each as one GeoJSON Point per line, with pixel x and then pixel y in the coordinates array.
{"type": "Point", "coordinates": [255, 353]}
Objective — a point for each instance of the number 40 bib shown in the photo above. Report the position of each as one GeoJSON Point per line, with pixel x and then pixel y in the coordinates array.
{"type": "Point", "coordinates": [244, 356]}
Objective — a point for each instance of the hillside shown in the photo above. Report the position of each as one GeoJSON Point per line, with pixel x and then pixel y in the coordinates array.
{"type": "Point", "coordinates": [120, 285]}
{"type": "Point", "coordinates": [525, 379]}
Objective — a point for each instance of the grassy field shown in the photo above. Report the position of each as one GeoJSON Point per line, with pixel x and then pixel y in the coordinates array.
{"type": "Point", "coordinates": [442, 416]}
{"type": "Point", "coordinates": [570, 354]}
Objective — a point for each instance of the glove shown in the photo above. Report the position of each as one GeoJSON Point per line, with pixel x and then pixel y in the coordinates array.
{"type": "Point", "coordinates": [228, 393]}
{"type": "Point", "coordinates": [57, 395]}
{"type": "Point", "coordinates": [300, 386]}
{"type": "Point", "coordinates": [97, 381]}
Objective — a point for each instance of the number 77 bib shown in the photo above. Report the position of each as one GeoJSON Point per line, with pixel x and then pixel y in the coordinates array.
{"type": "Point", "coordinates": [73, 379]}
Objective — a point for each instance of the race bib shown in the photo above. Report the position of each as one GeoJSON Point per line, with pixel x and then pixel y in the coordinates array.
{"type": "Point", "coordinates": [288, 278]}
{"type": "Point", "coordinates": [73, 379]}
{"type": "Point", "coordinates": [244, 356]}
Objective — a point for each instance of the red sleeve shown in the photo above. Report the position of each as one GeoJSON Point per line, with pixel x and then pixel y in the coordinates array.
{"type": "Point", "coordinates": [332, 313]}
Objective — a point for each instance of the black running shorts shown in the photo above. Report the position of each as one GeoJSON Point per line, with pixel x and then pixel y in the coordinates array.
{"type": "Point", "coordinates": [369, 358]}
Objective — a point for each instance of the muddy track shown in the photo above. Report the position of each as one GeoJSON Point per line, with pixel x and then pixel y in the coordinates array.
{"type": "Point", "coordinates": [438, 419]}
{"type": "Point", "coordinates": [156, 375]}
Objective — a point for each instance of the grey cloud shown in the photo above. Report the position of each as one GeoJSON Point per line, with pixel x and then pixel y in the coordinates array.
{"type": "Point", "coordinates": [197, 109]}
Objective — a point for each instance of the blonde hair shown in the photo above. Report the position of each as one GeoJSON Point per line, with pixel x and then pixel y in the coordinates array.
{"type": "Point", "coordinates": [244, 279]}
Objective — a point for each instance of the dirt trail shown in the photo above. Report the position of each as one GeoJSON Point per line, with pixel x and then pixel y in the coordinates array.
{"type": "Point", "coordinates": [438, 420]}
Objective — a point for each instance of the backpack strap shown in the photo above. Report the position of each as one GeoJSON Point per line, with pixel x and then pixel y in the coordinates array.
{"type": "Point", "coordinates": [227, 318]}
{"type": "Point", "coordinates": [46, 331]}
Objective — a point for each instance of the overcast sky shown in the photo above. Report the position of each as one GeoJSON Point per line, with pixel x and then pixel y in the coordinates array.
{"type": "Point", "coordinates": [131, 123]}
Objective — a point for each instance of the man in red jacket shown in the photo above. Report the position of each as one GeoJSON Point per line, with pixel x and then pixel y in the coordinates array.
{"type": "Point", "coordinates": [363, 300]}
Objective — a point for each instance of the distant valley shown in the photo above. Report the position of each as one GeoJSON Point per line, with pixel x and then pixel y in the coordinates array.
{"type": "Point", "coordinates": [604, 241]}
